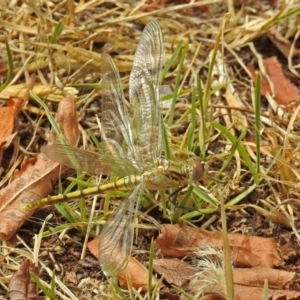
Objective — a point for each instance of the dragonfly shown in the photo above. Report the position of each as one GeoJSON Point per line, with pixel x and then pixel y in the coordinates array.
{"type": "Point", "coordinates": [131, 144]}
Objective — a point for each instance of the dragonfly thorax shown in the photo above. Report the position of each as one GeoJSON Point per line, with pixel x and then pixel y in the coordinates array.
{"type": "Point", "coordinates": [186, 172]}
{"type": "Point", "coordinates": [173, 174]}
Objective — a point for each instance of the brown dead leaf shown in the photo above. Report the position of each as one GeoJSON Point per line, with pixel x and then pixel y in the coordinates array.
{"type": "Point", "coordinates": [248, 284]}
{"type": "Point", "coordinates": [174, 271]}
{"type": "Point", "coordinates": [21, 286]}
{"type": "Point", "coordinates": [134, 273]}
{"type": "Point", "coordinates": [277, 279]}
{"type": "Point", "coordinates": [8, 114]}
{"type": "Point", "coordinates": [284, 90]}
{"type": "Point", "coordinates": [242, 292]}
{"type": "Point", "coordinates": [247, 251]}
{"type": "Point", "coordinates": [289, 252]}
{"type": "Point", "coordinates": [93, 246]}
{"type": "Point", "coordinates": [34, 180]}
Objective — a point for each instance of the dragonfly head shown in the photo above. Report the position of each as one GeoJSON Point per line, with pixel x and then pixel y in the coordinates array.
{"type": "Point", "coordinates": [176, 173]}
{"type": "Point", "coordinates": [195, 168]}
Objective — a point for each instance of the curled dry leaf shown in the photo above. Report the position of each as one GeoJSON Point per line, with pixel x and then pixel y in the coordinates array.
{"type": "Point", "coordinates": [34, 180]}
{"type": "Point", "coordinates": [174, 271]}
{"type": "Point", "coordinates": [134, 273]}
{"type": "Point", "coordinates": [247, 251]}
{"type": "Point", "coordinates": [21, 286]}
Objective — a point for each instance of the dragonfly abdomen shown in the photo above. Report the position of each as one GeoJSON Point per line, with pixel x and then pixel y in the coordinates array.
{"type": "Point", "coordinates": [127, 183]}
{"type": "Point", "coordinates": [124, 184]}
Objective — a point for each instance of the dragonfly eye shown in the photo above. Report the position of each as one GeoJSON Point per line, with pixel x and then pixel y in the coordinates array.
{"type": "Point", "coordinates": [197, 169]}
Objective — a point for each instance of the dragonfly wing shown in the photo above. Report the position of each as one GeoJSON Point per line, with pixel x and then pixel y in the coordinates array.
{"type": "Point", "coordinates": [144, 92]}
{"type": "Point", "coordinates": [115, 120]}
{"type": "Point", "coordinates": [116, 238]}
{"type": "Point", "coordinates": [90, 162]}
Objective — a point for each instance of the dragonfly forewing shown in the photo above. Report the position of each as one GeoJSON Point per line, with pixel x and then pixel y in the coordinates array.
{"type": "Point", "coordinates": [115, 121]}
{"type": "Point", "coordinates": [90, 162]}
{"type": "Point", "coordinates": [144, 92]}
{"type": "Point", "coordinates": [116, 238]}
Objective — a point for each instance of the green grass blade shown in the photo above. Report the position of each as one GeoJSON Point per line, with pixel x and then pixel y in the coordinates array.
{"type": "Point", "coordinates": [202, 131]}
{"type": "Point", "coordinates": [151, 268]}
{"type": "Point", "coordinates": [183, 203]}
{"type": "Point", "coordinates": [184, 293]}
{"type": "Point", "coordinates": [191, 133]}
{"type": "Point", "coordinates": [166, 144]}
{"type": "Point", "coordinates": [257, 107]}
{"type": "Point", "coordinates": [78, 181]}
{"type": "Point", "coordinates": [266, 290]}
{"type": "Point", "coordinates": [228, 272]}
{"type": "Point", "coordinates": [163, 203]}
{"type": "Point", "coordinates": [181, 59]}
{"type": "Point", "coordinates": [52, 121]}
{"type": "Point", "coordinates": [95, 140]}
{"type": "Point", "coordinates": [192, 215]}
{"type": "Point", "coordinates": [82, 202]}
{"type": "Point", "coordinates": [57, 32]}
{"type": "Point", "coordinates": [229, 156]}
{"type": "Point", "coordinates": [208, 83]}
{"type": "Point", "coordinates": [119, 294]}
{"type": "Point", "coordinates": [240, 148]}
{"type": "Point", "coordinates": [289, 14]}
{"type": "Point", "coordinates": [204, 196]}
{"type": "Point", "coordinates": [276, 18]}
{"type": "Point", "coordinates": [171, 60]}
{"type": "Point", "coordinates": [65, 210]}
{"type": "Point", "coordinates": [204, 97]}
{"type": "Point", "coordinates": [50, 294]}
{"type": "Point", "coordinates": [52, 285]}
{"type": "Point", "coordinates": [241, 196]}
